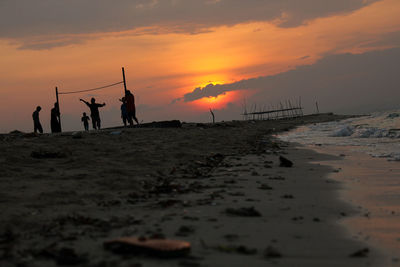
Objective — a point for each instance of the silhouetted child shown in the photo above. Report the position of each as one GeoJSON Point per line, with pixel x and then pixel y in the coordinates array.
{"type": "Point", "coordinates": [94, 112]}
{"type": "Point", "coordinates": [36, 122]}
{"type": "Point", "coordinates": [124, 111]}
{"type": "Point", "coordinates": [85, 120]}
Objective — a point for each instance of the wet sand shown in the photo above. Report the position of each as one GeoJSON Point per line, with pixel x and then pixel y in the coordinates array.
{"type": "Point", "coordinates": [220, 187]}
{"type": "Point", "coordinates": [372, 186]}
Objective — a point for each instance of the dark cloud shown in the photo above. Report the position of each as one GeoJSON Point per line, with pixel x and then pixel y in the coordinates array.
{"type": "Point", "coordinates": [305, 57]}
{"type": "Point", "coordinates": [49, 43]}
{"type": "Point", "coordinates": [351, 82]}
{"type": "Point", "coordinates": [27, 18]}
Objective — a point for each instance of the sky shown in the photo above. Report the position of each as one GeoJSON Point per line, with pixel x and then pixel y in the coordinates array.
{"type": "Point", "coordinates": [183, 57]}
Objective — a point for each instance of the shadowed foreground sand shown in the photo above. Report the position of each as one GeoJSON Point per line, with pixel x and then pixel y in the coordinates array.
{"type": "Point", "coordinates": [220, 187]}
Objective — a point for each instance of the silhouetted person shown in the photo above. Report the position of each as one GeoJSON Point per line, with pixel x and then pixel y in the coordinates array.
{"type": "Point", "coordinates": [124, 111]}
{"type": "Point", "coordinates": [94, 112]}
{"type": "Point", "coordinates": [131, 108]}
{"type": "Point", "coordinates": [85, 119]}
{"type": "Point", "coordinates": [36, 122]}
{"type": "Point", "coordinates": [54, 120]}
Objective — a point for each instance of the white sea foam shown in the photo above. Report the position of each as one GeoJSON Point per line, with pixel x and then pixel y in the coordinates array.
{"type": "Point", "coordinates": [377, 134]}
{"type": "Point", "coordinates": [345, 131]}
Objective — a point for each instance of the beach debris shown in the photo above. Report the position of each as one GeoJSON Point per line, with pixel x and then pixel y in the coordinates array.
{"type": "Point", "coordinates": [44, 154]}
{"type": "Point", "coordinates": [109, 203]}
{"type": "Point", "coordinates": [288, 196]}
{"type": "Point", "coordinates": [169, 202]}
{"type": "Point", "coordinates": [362, 253]}
{"type": "Point", "coordinates": [279, 178]}
{"type": "Point", "coordinates": [190, 218]}
{"type": "Point", "coordinates": [165, 248]}
{"type": "Point", "coordinates": [271, 252]}
{"type": "Point", "coordinates": [215, 159]}
{"type": "Point", "coordinates": [77, 135]}
{"type": "Point", "coordinates": [103, 225]}
{"type": "Point", "coordinates": [265, 187]}
{"type": "Point", "coordinates": [236, 194]}
{"type": "Point", "coordinates": [316, 219]}
{"type": "Point", "coordinates": [165, 187]}
{"type": "Point", "coordinates": [136, 197]}
{"type": "Point", "coordinates": [252, 200]}
{"type": "Point", "coordinates": [231, 237]}
{"type": "Point", "coordinates": [241, 249]}
{"type": "Point", "coordinates": [201, 169]}
{"type": "Point", "coordinates": [63, 256]}
{"type": "Point", "coordinates": [185, 230]}
{"type": "Point", "coordinates": [116, 133]}
{"type": "Point", "coordinates": [298, 218]}
{"type": "Point", "coordinates": [243, 212]}
{"type": "Point", "coordinates": [284, 162]}
{"type": "Point", "coordinates": [254, 173]}
{"type": "Point", "coordinates": [275, 145]}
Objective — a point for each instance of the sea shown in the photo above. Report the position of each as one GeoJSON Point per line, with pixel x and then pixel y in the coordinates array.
{"type": "Point", "coordinates": [377, 134]}
{"type": "Point", "coordinates": [366, 162]}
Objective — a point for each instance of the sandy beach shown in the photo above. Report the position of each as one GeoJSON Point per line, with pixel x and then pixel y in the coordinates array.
{"type": "Point", "coordinates": [219, 187]}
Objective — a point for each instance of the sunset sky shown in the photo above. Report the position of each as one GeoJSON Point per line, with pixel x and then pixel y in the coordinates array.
{"type": "Point", "coordinates": [183, 57]}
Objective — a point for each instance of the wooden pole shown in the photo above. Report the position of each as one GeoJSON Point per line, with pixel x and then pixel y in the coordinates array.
{"type": "Point", "coordinates": [58, 105]}
{"type": "Point", "coordinates": [123, 76]}
{"type": "Point", "coordinates": [316, 104]}
{"type": "Point", "coordinates": [213, 116]}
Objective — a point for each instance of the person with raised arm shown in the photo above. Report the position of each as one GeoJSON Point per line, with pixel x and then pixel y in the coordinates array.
{"type": "Point", "coordinates": [94, 112]}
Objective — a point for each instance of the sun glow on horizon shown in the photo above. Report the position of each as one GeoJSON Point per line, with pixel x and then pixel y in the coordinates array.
{"type": "Point", "coordinates": [217, 102]}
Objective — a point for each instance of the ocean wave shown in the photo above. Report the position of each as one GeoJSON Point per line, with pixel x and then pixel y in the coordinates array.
{"type": "Point", "coordinates": [364, 132]}
{"type": "Point", "coordinates": [393, 115]}
{"type": "Point", "coordinates": [343, 131]}
{"type": "Point", "coordinates": [377, 134]}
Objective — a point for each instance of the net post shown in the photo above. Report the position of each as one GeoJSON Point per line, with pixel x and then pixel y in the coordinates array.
{"type": "Point", "coordinates": [123, 76]}
{"type": "Point", "coordinates": [58, 105]}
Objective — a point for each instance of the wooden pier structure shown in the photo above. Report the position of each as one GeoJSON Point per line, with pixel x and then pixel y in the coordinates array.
{"type": "Point", "coordinates": [285, 110]}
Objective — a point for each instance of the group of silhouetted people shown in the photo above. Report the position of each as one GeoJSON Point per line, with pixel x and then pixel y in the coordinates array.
{"type": "Point", "coordinates": [54, 120]}
{"type": "Point", "coordinates": [128, 109]}
{"type": "Point", "coordinates": [128, 114]}
{"type": "Point", "coordinates": [94, 114]}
